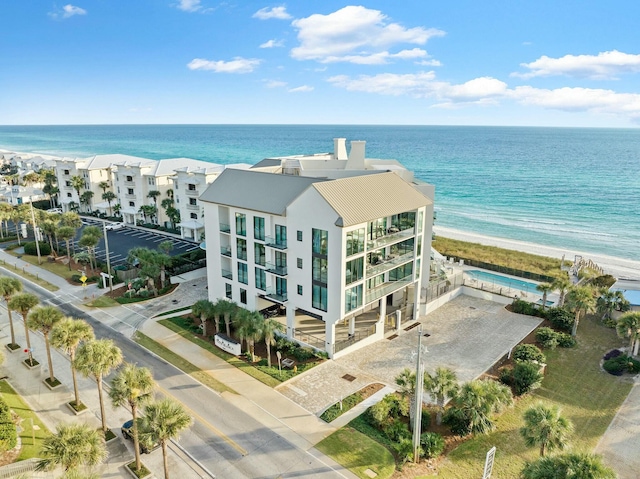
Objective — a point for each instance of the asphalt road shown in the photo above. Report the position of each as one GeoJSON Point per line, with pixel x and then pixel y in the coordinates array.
{"type": "Point", "coordinates": [224, 440]}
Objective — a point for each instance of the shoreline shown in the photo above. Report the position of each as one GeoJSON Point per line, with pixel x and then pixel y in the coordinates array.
{"type": "Point", "coordinates": [618, 267]}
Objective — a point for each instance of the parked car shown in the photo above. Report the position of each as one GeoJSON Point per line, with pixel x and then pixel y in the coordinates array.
{"type": "Point", "coordinates": [55, 210]}
{"type": "Point", "coordinates": [127, 433]}
{"type": "Point", "coordinates": [115, 226]}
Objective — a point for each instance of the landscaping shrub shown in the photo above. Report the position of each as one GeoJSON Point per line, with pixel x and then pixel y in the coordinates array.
{"type": "Point", "coordinates": [30, 248]}
{"type": "Point", "coordinates": [457, 421]}
{"type": "Point", "coordinates": [561, 319]}
{"type": "Point", "coordinates": [528, 352]}
{"type": "Point", "coordinates": [397, 430]}
{"type": "Point", "coordinates": [8, 432]}
{"type": "Point", "coordinates": [526, 377]}
{"type": "Point", "coordinates": [384, 411]}
{"type": "Point", "coordinates": [633, 365]}
{"type": "Point", "coordinates": [566, 340]}
{"type": "Point", "coordinates": [604, 281]}
{"type": "Point", "coordinates": [614, 353]}
{"type": "Point", "coordinates": [303, 354]}
{"type": "Point", "coordinates": [425, 420]}
{"type": "Point", "coordinates": [521, 306]}
{"type": "Point", "coordinates": [615, 366]}
{"type": "Point", "coordinates": [547, 338]}
{"type": "Point", "coordinates": [404, 450]}
{"type": "Point", "coordinates": [506, 376]}
{"type": "Point", "coordinates": [432, 444]}
{"type": "Point", "coordinates": [347, 403]}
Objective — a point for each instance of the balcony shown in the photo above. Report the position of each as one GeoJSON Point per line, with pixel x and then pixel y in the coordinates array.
{"type": "Point", "coordinates": [278, 296]}
{"type": "Point", "coordinates": [391, 237]}
{"type": "Point", "coordinates": [275, 269]}
{"type": "Point", "coordinates": [225, 228]}
{"type": "Point", "coordinates": [387, 288]}
{"type": "Point", "coordinates": [130, 197]}
{"type": "Point", "coordinates": [225, 250]}
{"type": "Point", "coordinates": [387, 263]}
{"type": "Point", "coordinates": [277, 243]}
{"type": "Point", "coordinates": [191, 192]}
{"type": "Point", "coordinates": [129, 182]}
{"type": "Point", "coordinates": [193, 207]}
{"type": "Point", "coordinates": [227, 274]}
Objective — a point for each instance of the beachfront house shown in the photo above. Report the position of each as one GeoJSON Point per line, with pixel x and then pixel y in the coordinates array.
{"type": "Point", "coordinates": [336, 260]}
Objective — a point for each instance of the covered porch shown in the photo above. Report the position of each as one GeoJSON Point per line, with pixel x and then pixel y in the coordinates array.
{"type": "Point", "coordinates": [192, 229]}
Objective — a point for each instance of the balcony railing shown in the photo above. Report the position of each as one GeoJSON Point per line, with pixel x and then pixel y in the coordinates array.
{"type": "Point", "coordinates": [387, 263]}
{"type": "Point", "coordinates": [227, 274]}
{"type": "Point", "coordinates": [277, 243]}
{"type": "Point", "coordinates": [273, 268]}
{"type": "Point", "coordinates": [389, 238]}
{"type": "Point", "coordinates": [387, 288]}
{"type": "Point", "coordinates": [130, 197]}
{"type": "Point", "coordinates": [225, 250]}
{"type": "Point", "coordinates": [279, 296]}
{"type": "Point", "coordinates": [193, 207]}
{"type": "Point", "coordinates": [129, 182]}
{"type": "Point", "coordinates": [191, 192]}
{"type": "Point", "coordinates": [225, 228]}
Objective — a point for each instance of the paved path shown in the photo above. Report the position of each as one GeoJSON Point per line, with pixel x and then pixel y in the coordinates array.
{"type": "Point", "coordinates": [467, 335]}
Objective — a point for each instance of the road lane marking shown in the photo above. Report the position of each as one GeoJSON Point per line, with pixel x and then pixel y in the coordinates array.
{"type": "Point", "coordinates": [210, 426]}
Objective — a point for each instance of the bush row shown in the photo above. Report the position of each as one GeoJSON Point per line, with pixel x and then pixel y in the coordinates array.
{"type": "Point", "coordinates": [549, 339]}
{"type": "Point", "coordinates": [560, 318]}
{"type": "Point", "coordinates": [8, 432]}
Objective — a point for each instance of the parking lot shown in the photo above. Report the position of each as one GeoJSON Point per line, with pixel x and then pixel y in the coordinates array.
{"type": "Point", "coordinates": [123, 239]}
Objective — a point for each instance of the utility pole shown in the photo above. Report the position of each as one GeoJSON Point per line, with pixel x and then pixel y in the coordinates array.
{"type": "Point", "coordinates": [35, 232]}
{"type": "Point", "coordinates": [106, 248]}
{"type": "Point", "coordinates": [417, 417]}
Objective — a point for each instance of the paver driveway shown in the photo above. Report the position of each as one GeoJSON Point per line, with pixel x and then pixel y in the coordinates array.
{"type": "Point", "coordinates": [467, 335]}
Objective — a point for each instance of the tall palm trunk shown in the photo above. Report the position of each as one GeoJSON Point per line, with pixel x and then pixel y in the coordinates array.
{"type": "Point", "coordinates": [227, 323]}
{"type": "Point", "coordinates": [72, 357]}
{"type": "Point", "coordinates": [102, 415]}
{"type": "Point", "coordinates": [136, 440]}
{"type": "Point", "coordinates": [165, 462]}
{"type": "Point", "coordinates": [13, 334]}
{"type": "Point", "coordinates": [48, 348]}
{"type": "Point", "coordinates": [26, 335]}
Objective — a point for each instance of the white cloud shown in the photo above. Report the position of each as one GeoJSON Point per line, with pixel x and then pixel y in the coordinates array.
{"type": "Point", "coordinates": [68, 11]}
{"type": "Point", "coordinates": [237, 65]}
{"type": "Point", "coordinates": [272, 44]}
{"type": "Point", "coordinates": [275, 83]}
{"type": "Point", "coordinates": [301, 88]}
{"type": "Point", "coordinates": [417, 84]}
{"type": "Point", "coordinates": [266, 13]}
{"type": "Point", "coordinates": [358, 35]}
{"type": "Point", "coordinates": [604, 65]}
{"type": "Point", "coordinates": [189, 5]}
{"type": "Point", "coordinates": [429, 63]}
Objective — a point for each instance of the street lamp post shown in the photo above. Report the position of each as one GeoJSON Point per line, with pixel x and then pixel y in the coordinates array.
{"type": "Point", "coordinates": [35, 232]}
{"type": "Point", "coordinates": [106, 248]}
{"type": "Point", "coordinates": [417, 417]}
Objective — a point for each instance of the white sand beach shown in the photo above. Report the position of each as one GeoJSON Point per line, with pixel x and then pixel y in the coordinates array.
{"type": "Point", "coordinates": [618, 267]}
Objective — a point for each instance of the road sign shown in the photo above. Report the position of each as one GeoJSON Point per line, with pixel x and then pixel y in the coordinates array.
{"type": "Point", "coordinates": [488, 463]}
{"type": "Point", "coordinates": [83, 278]}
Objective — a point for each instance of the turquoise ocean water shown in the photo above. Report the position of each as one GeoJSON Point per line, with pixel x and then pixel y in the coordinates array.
{"type": "Point", "coordinates": [573, 188]}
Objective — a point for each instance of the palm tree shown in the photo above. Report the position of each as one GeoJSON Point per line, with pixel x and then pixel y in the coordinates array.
{"type": "Point", "coordinates": [43, 319]}
{"type": "Point", "coordinates": [568, 466]}
{"type": "Point", "coordinates": [77, 183]}
{"type": "Point", "coordinates": [249, 329]}
{"type": "Point", "coordinates": [562, 284]}
{"type": "Point", "coordinates": [478, 399]}
{"type": "Point", "coordinates": [628, 326]}
{"type": "Point", "coordinates": [165, 248]}
{"type": "Point", "coordinates": [98, 358]}
{"type": "Point", "coordinates": [132, 386]}
{"type": "Point", "coordinates": [610, 301]}
{"type": "Point", "coordinates": [71, 219]}
{"type": "Point", "coordinates": [5, 215]}
{"type": "Point", "coordinates": [269, 329]}
{"type": "Point", "coordinates": [226, 308]}
{"type": "Point", "coordinates": [23, 303]}
{"type": "Point", "coordinates": [104, 185]}
{"type": "Point", "coordinates": [147, 210]}
{"type": "Point", "coordinates": [545, 289]}
{"type": "Point", "coordinates": [204, 309]}
{"type": "Point", "coordinates": [407, 382]}
{"type": "Point", "coordinates": [109, 196]}
{"type": "Point", "coordinates": [72, 446]}
{"type": "Point", "coordinates": [581, 301]}
{"type": "Point", "coordinates": [66, 234]}
{"type": "Point", "coordinates": [67, 335]}
{"type": "Point", "coordinates": [49, 228]}
{"type": "Point", "coordinates": [164, 420]}
{"type": "Point", "coordinates": [545, 427]}
{"type": "Point", "coordinates": [9, 287]}
{"type": "Point", "coordinates": [443, 384]}
{"type": "Point", "coordinates": [85, 199]}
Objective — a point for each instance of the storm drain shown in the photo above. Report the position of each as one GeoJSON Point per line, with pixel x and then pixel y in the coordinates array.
{"type": "Point", "coordinates": [393, 336]}
{"type": "Point", "coordinates": [349, 377]}
{"type": "Point", "coordinates": [412, 326]}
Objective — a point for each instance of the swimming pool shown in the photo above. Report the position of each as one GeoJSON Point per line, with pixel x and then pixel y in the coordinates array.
{"type": "Point", "coordinates": [499, 280]}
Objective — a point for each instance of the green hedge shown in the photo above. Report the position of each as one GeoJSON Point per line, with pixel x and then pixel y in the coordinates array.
{"type": "Point", "coordinates": [30, 248]}
{"type": "Point", "coordinates": [8, 432]}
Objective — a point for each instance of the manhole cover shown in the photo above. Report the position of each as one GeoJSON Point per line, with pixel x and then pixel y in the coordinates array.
{"type": "Point", "coordinates": [393, 336]}
{"type": "Point", "coordinates": [349, 377]}
{"type": "Point", "coordinates": [426, 335]}
{"type": "Point", "coordinates": [412, 326]}
{"type": "Point", "coordinates": [370, 473]}
{"type": "Point", "coordinates": [472, 307]}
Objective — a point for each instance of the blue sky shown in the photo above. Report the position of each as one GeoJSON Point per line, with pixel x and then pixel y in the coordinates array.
{"type": "Point", "coordinates": [543, 63]}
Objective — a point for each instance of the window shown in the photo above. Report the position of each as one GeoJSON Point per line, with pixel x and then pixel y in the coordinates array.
{"type": "Point", "coordinates": [151, 180]}
{"type": "Point", "coordinates": [355, 241]}
{"type": "Point", "coordinates": [243, 296]}
{"type": "Point", "coordinates": [227, 291]}
{"type": "Point", "coordinates": [377, 228]}
{"type": "Point", "coordinates": [243, 275]}
{"type": "Point", "coordinates": [420, 220]}
{"type": "Point", "coordinates": [132, 204]}
{"type": "Point", "coordinates": [193, 201]}
{"type": "Point", "coordinates": [404, 221]}
{"type": "Point", "coordinates": [258, 251]}
{"type": "Point", "coordinates": [129, 178]}
{"type": "Point", "coordinates": [320, 240]}
{"type": "Point", "coordinates": [258, 228]}
{"type": "Point", "coordinates": [281, 260]}
{"type": "Point", "coordinates": [69, 195]}
{"type": "Point", "coordinates": [261, 279]}
{"type": "Point", "coordinates": [241, 224]}
{"type": "Point", "coordinates": [191, 187]}
{"type": "Point", "coordinates": [194, 216]}
{"type": "Point", "coordinates": [353, 298]}
{"type": "Point", "coordinates": [67, 183]}
{"type": "Point", "coordinates": [281, 235]}
{"type": "Point", "coordinates": [319, 299]}
{"type": "Point", "coordinates": [241, 249]}
{"type": "Point", "coordinates": [66, 172]}
{"type": "Point", "coordinates": [299, 261]}
{"type": "Point", "coordinates": [319, 270]}
{"type": "Point", "coordinates": [129, 191]}
{"type": "Point", "coordinates": [281, 288]}
{"type": "Point", "coordinates": [354, 270]}
{"type": "Point", "coordinates": [299, 235]}
{"type": "Point", "coordinates": [300, 289]}
{"type": "Point", "coordinates": [376, 281]}
{"type": "Point", "coordinates": [418, 268]}
{"type": "Point", "coordinates": [401, 272]}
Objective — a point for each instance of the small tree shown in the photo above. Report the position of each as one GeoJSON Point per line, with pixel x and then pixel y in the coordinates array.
{"type": "Point", "coordinates": [545, 289]}
{"type": "Point", "coordinates": [77, 183]}
{"type": "Point", "coordinates": [628, 326]}
{"type": "Point", "coordinates": [204, 309]}
{"type": "Point", "coordinates": [581, 301]}
{"type": "Point", "coordinates": [9, 287]}
{"type": "Point", "coordinates": [568, 466]}
{"type": "Point", "coordinates": [72, 446]}
{"type": "Point", "coordinates": [226, 308]}
{"type": "Point", "coordinates": [442, 384]}
{"type": "Point", "coordinates": [406, 380]}
{"type": "Point", "coordinates": [44, 319]}
{"type": "Point", "coordinates": [67, 233]}
{"type": "Point", "coordinates": [23, 303]}
{"type": "Point", "coordinates": [269, 329]}
{"type": "Point", "coordinates": [109, 196]}
{"type": "Point", "coordinates": [545, 427]}
{"type": "Point", "coordinates": [562, 283]}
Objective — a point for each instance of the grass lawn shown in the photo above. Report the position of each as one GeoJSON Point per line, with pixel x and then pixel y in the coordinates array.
{"type": "Point", "coordinates": [588, 396]}
{"type": "Point", "coordinates": [34, 278]}
{"type": "Point", "coordinates": [16, 403]}
{"type": "Point", "coordinates": [103, 302]}
{"type": "Point", "coordinates": [56, 267]}
{"type": "Point", "coordinates": [358, 453]}
{"type": "Point", "coordinates": [181, 363]}
{"type": "Point", "coordinates": [498, 256]}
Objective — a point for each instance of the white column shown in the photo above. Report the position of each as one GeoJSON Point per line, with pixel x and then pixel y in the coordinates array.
{"type": "Point", "coordinates": [416, 300]}
{"type": "Point", "coordinates": [330, 334]}
{"type": "Point", "coordinates": [291, 316]}
{"type": "Point", "coordinates": [398, 320]}
{"type": "Point", "coordinates": [383, 313]}
{"type": "Point", "coordinates": [352, 325]}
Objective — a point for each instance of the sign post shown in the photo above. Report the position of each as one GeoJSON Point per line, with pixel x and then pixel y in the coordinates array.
{"type": "Point", "coordinates": [279, 355]}
{"type": "Point", "coordinates": [83, 278]}
{"type": "Point", "coordinates": [488, 463]}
